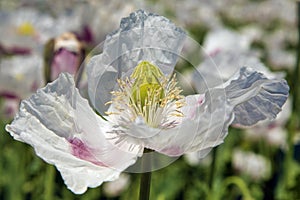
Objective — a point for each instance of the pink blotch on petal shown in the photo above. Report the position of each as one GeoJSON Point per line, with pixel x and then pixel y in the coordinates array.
{"type": "Point", "coordinates": [82, 151]}
{"type": "Point", "coordinates": [200, 100]}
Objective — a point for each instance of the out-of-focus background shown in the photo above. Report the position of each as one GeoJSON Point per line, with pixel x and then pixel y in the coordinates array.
{"type": "Point", "coordinates": [262, 162]}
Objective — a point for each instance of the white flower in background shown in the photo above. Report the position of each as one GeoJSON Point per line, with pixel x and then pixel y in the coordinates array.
{"type": "Point", "coordinates": [20, 76]}
{"type": "Point", "coordinates": [261, 12]}
{"type": "Point", "coordinates": [102, 17]}
{"type": "Point", "coordinates": [115, 188]}
{"type": "Point", "coordinates": [272, 18]}
{"type": "Point", "coordinates": [131, 84]}
{"type": "Point", "coordinates": [31, 29]}
{"type": "Point", "coordinates": [204, 12]}
{"type": "Point", "coordinates": [251, 164]}
{"type": "Point", "coordinates": [253, 32]}
{"type": "Point", "coordinates": [220, 40]}
{"type": "Point", "coordinates": [276, 48]}
{"type": "Point", "coordinates": [24, 28]}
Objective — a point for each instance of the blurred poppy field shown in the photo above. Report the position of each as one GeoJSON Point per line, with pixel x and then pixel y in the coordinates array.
{"type": "Point", "coordinates": [260, 162]}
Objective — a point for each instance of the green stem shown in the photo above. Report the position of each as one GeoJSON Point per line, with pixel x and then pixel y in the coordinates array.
{"type": "Point", "coordinates": [145, 186]}
{"type": "Point", "coordinates": [145, 180]}
{"type": "Point", "coordinates": [47, 56]}
{"type": "Point", "coordinates": [213, 168]}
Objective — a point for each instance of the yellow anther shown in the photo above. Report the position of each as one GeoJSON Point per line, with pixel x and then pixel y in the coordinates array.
{"type": "Point", "coordinates": [107, 103]}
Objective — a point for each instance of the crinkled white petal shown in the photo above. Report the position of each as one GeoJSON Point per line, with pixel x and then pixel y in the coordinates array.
{"type": "Point", "coordinates": [280, 121]}
{"type": "Point", "coordinates": [204, 126]}
{"type": "Point", "coordinates": [20, 76]}
{"type": "Point", "coordinates": [213, 117]}
{"type": "Point", "coordinates": [141, 36]}
{"type": "Point", "coordinates": [255, 97]}
{"type": "Point", "coordinates": [65, 131]}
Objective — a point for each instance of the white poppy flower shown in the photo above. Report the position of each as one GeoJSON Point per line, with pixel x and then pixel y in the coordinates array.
{"type": "Point", "coordinates": [131, 85]}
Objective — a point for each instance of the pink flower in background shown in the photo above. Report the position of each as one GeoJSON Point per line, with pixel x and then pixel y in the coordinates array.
{"type": "Point", "coordinates": [63, 54]}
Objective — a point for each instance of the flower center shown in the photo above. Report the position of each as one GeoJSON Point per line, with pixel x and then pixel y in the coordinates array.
{"type": "Point", "coordinates": [26, 29]}
{"type": "Point", "coordinates": [149, 96]}
{"type": "Point", "coordinates": [146, 87]}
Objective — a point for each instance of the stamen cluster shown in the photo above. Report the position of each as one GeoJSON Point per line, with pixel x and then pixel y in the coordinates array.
{"type": "Point", "coordinates": [151, 97]}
